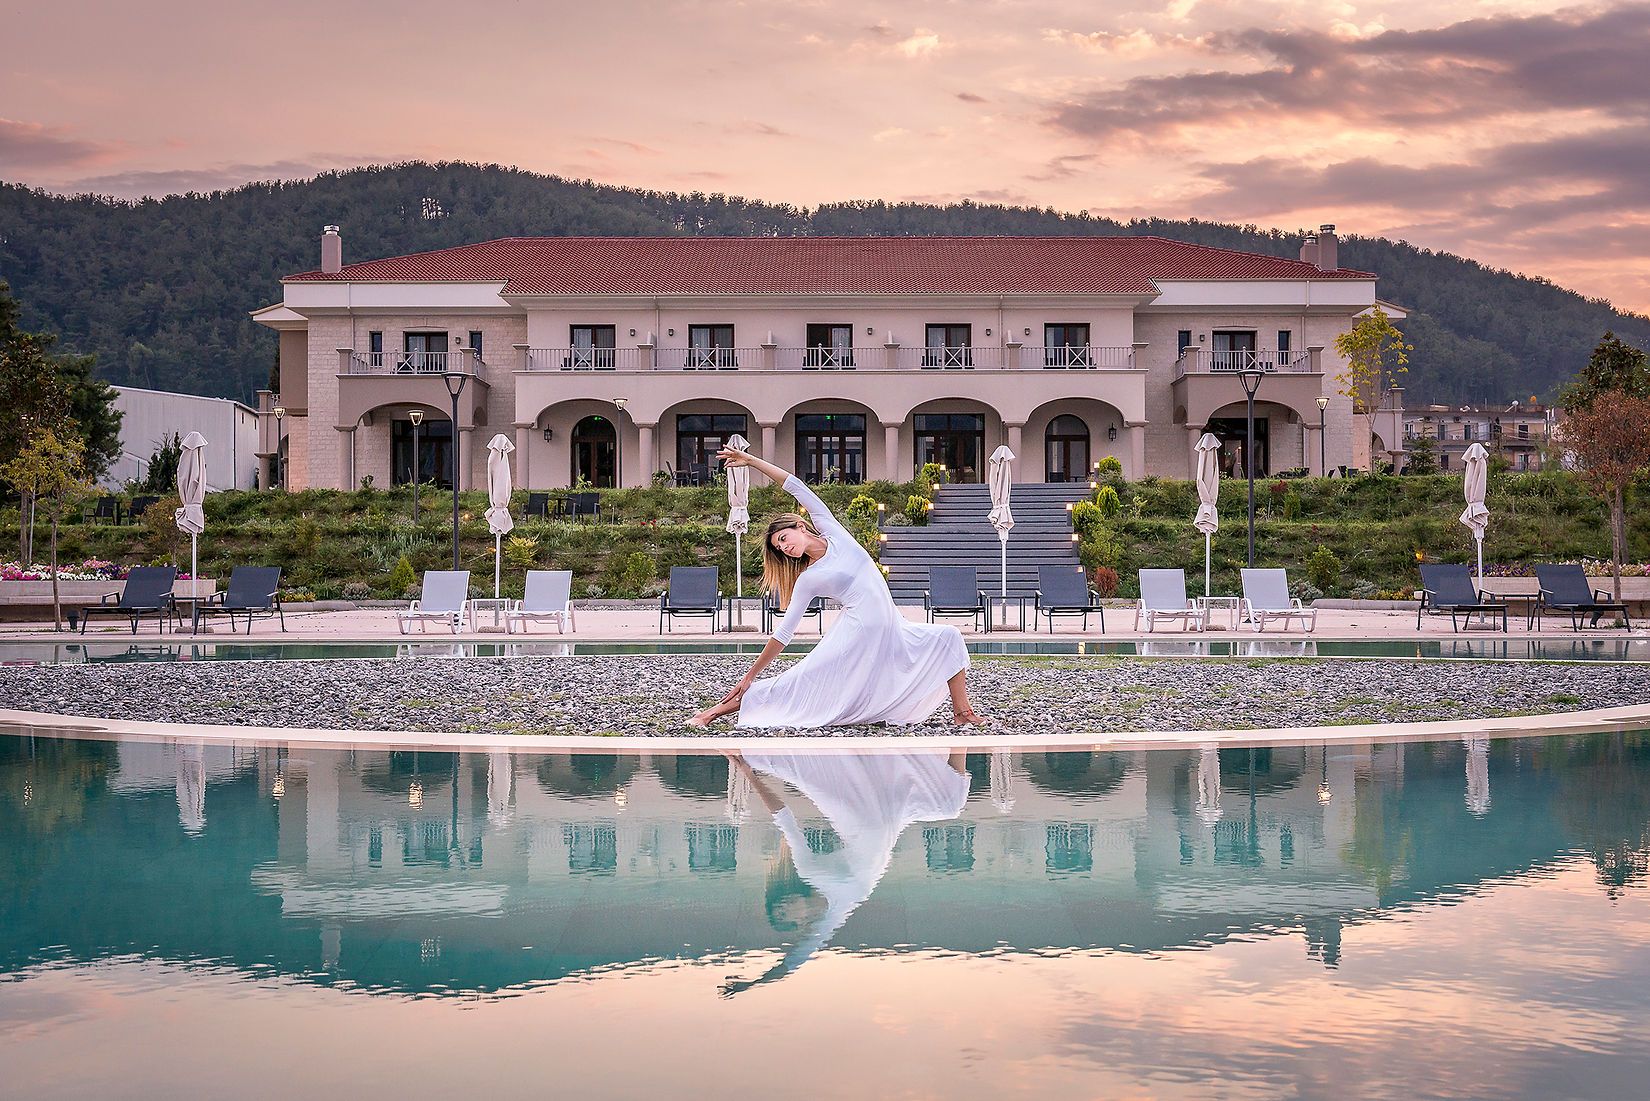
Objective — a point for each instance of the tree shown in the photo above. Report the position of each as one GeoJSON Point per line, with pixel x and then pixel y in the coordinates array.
{"type": "Point", "coordinates": [1375, 356]}
{"type": "Point", "coordinates": [50, 472]}
{"type": "Point", "coordinates": [33, 400]}
{"type": "Point", "coordinates": [92, 407]}
{"type": "Point", "coordinates": [1610, 441]}
{"type": "Point", "coordinates": [1422, 457]}
{"type": "Point", "coordinates": [1614, 367]}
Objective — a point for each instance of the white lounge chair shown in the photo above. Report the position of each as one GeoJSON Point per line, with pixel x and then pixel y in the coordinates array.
{"type": "Point", "coordinates": [1163, 596]}
{"type": "Point", "coordinates": [1266, 596]}
{"type": "Point", "coordinates": [549, 595]}
{"type": "Point", "coordinates": [444, 598]}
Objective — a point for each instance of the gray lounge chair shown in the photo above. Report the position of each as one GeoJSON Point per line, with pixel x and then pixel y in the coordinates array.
{"type": "Point", "coordinates": [1163, 596]}
{"type": "Point", "coordinates": [253, 591]}
{"type": "Point", "coordinates": [549, 595]}
{"type": "Point", "coordinates": [1448, 588]}
{"type": "Point", "coordinates": [1266, 597]}
{"type": "Point", "coordinates": [1565, 588]}
{"type": "Point", "coordinates": [954, 590]}
{"type": "Point", "coordinates": [444, 598]}
{"type": "Point", "coordinates": [1064, 590]}
{"type": "Point", "coordinates": [693, 591]}
{"type": "Point", "coordinates": [771, 611]}
{"type": "Point", "coordinates": [148, 591]}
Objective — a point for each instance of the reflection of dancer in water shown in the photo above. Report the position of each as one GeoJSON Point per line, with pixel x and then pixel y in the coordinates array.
{"type": "Point", "coordinates": [873, 666]}
{"type": "Point", "coordinates": [869, 800]}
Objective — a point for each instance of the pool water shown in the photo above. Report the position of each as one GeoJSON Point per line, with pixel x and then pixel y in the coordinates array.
{"type": "Point", "coordinates": [1452, 918]}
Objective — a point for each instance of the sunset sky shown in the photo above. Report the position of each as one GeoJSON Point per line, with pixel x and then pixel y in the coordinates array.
{"type": "Point", "coordinates": [1513, 132]}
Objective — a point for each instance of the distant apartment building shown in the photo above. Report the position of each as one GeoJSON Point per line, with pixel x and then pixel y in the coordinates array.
{"type": "Point", "coordinates": [1519, 431]}
{"type": "Point", "coordinates": [607, 360]}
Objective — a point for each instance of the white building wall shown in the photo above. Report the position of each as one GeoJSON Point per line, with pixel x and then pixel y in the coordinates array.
{"type": "Point", "coordinates": [148, 416]}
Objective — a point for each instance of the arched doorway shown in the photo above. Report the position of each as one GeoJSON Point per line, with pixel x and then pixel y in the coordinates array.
{"type": "Point", "coordinates": [595, 451]}
{"type": "Point", "coordinates": [1066, 449]}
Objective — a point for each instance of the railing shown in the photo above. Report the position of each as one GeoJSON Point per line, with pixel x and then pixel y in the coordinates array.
{"type": "Point", "coordinates": [819, 358]}
{"type": "Point", "coordinates": [1199, 361]}
{"type": "Point", "coordinates": [1077, 357]}
{"type": "Point", "coordinates": [462, 362]}
{"type": "Point", "coordinates": [586, 359]}
{"type": "Point", "coordinates": [948, 358]}
{"type": "Point", "coordinates": [708, 359]}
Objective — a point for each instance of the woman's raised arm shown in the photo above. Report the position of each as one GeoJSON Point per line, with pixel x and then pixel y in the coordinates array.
{"type": "Point", "coordinates": [731, 457]}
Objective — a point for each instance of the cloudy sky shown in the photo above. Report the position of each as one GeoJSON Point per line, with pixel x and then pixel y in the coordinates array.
{"type": "Point", "coordinates": [1512, 131]}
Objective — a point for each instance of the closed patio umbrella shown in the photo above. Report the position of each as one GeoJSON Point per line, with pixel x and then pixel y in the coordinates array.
{"type": "Point", "coordinates": [739, 516]}
{"type": "Point", "coordinates": [1002, 483]}
{"type": "Point", "coordinates": [1208, 497]}
{"type": "Point", "coordinates": [1476, 484]}
{"type": "Point", "coordinates": [191, 517]}
{"type": "Point", "coordinates": [499, 520]}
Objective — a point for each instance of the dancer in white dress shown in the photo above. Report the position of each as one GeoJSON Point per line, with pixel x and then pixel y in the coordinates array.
{"type": "Point", "coordinates": [873, 666]}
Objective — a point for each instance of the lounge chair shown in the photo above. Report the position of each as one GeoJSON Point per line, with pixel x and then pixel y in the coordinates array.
{"type": "Point", "coordinates": [954, 590]}
{"type": "Point", "coordinates": [549, 595]}
{"type": "Point", "coordinates": [148, 591]}
{"type": "Point", "coordinates": [105, 508]}
{"type": "Point", "coordinates": [1448, 587]}
{"type": "Point", "coordinates": [1064, 590]}
{"type": "Point", "coordinates": [693, 591]}
{"type": "Point", "coordinates": [771, 611]}
{"type": "Point", "coordinates": [253, 591]}
{"type": "Point", "coordinates": [444, 598]}
{"type": "Point", "coordinates": [1163, 596]}
{"type": "Point", "coordinates": [538, 507]}
{"type": "Point", "coordinates": [1565, 588]}
{"type": "Point", "coordinates": [585, 504]}
{"type": "Point", "coordinates": [138, 506]}
{"type": "Point", "coordinates": [1266, 596]}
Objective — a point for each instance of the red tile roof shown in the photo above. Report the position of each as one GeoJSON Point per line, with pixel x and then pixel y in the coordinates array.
{"type": "Point", "coordinates": [826, 265]}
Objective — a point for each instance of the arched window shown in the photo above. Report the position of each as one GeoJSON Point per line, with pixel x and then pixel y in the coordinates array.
{"type": "Point", "coordinates": [1066, 449]}
{"type": "Point", "coordinates": [595, 451]}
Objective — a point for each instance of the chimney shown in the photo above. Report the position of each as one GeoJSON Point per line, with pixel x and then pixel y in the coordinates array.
{"type": "Point", "coordinates": [1328, 252]}
{"type": "Point", "coordinates": [332, 251]}
{"type": "Point", "coordinates": [1309, 249]}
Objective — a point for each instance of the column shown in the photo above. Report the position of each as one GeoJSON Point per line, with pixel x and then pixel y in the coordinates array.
{"type": "Point", "coordinates": [1137, 448]}
{"type": "Point", "coordinates": [1016, 436]}
{"type": "Point", "coordinates": [1310, 444]}
{"type": "Point", "coordinates": [1192, 436]}
{"type": "Point", "coordinates": [524, 436]}
{"type": "Point", "coordinates": [645, 454]}
{"type": "Point", "coordinates": [465, 460]}
{"type": "Point", "coordinates": [891, 455]}
{"type": "Point", "coordinates": [346, 458]}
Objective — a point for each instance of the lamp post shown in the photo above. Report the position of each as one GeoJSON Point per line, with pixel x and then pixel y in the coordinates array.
{"type": "Point", "coordinates": [1323, 437]}
{"type": "Point", "coordinates": [417, 418]}
{"type": "Point", "coordinates": [455, 381]}
{"type": "Point", "coordinates": [618, 443]}
{"type": "Point", "coordinates": [280, 462]}
{"type": "Point", "coordinates": [1251, 383]}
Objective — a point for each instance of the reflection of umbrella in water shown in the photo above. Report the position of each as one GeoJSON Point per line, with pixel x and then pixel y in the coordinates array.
{"type": "Point", "coordinates": [1002, 780]}
{"type": "Point", "coordinates": [1478, 775]}
{"type": "Point", "coordinates": [1208, 785]}
{"type": "Point", "coordinates": [191, 775]}
{"type": "Point", "coordinates": [501, 782]}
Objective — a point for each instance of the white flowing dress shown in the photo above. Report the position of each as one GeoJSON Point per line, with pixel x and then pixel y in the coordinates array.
{"type": "Point", "coordinates": [874, 665]}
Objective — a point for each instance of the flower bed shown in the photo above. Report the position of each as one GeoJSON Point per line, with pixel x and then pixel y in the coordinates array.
{"type": "Point", "coordinates": [92, 569]}
{"type": "Point", "coordinates": [1592, 567]}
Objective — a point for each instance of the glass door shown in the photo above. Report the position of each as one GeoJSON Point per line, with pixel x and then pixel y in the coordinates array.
{"type": "Point", "coordinates": [829, 347]}
{"type": "Point", "coordinates": [592, 348]}
{"type": "Point", "coordinates": [948, 346]}
{"type": "Point", "coordinates": [955, 441]}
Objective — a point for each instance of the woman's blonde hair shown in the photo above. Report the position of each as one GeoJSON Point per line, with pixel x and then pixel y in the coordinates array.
{"type": "Point", "coordinates": [780, 570]}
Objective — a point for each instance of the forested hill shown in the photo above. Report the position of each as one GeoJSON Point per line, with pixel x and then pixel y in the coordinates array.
{"type": "Point", "coordinates": [160, 289]}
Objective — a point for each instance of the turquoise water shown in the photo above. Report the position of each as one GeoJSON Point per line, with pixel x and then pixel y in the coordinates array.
{"type": "Point", "coordinates": [1398, 920]}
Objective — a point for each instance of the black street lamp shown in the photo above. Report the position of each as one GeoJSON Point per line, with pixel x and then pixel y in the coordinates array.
{"type": "Point", "coordinates": [1323, 437]}
{"type": "Point", "coordinates": [1251, 383]}
{"type": "Point", "coordinates": [280, 458]}
{"type": "Point", "coordinates": [618, 442]}
{"type": "Point", "coordinates": [417, 418]}
{"type": "Point", "coordinates": [455, 381]}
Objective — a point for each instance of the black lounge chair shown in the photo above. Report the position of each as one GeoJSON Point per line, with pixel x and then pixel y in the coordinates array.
{"type": "Point", "coordinates": [1565, 588]}
{"type": "Point", "coordinates": [105, 508]}
{"type": "Point", "coordinates": [585, 504]}
{"type": "Point", "coordinates": [538, 507]}
{"type": "Point", "coordinates": [253, 591]}
{"type": "Point", "coordinates": [693, 591]}
{"type": "Point", "coordinates": [139, 504]}
{"type": "Point", "coordinates": [1449, 588]}
{"type": "Point", "coordinates": [148, 591]}
{"type": "Point", "coordinates": [954, 590]}
{"type": "Point", "coordinates": [1064, 590]}
{"type": "Point", "coordinates": [772, 611]}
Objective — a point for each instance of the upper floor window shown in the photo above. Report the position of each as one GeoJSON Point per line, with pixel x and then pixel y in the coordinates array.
{"type": "Point", "coordinates": [1234, 349]}
{"type": "Point", "coordinates": [475, 343]}
{"type": "Point", "coordinates": [375, 348]}
{"type": "Point", "coordinates": [1182, 341]}
{"type": "Point", "coordinates": [591, 348]}
{"type": "Point", "coordinates": [948, 346]}
{"type": "Point", "coordinates": [710, 347]}
{"type": "Point", "coordinates": [1285, 338]}
{"type": "Point", "coordinates": [1066, 345]}
{"type": "Point", "coordinates": [829, 345]}
{"type": "Point", "coordinates": [424, 352]}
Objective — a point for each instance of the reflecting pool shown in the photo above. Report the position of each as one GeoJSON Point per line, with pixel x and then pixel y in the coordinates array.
{"type": "Point", "coordinates": [1453, 918]}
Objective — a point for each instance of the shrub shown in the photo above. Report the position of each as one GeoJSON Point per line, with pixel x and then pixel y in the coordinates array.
{"type": "Point", "coordinates": [660, 479]}
{"type": "Point", "coordinates": [917, 507]}
{"type": "Point", "coordinates": [1105, 581]}
{"type": "Point", "coordinates": [306, 537]}
{"type": "Point", "coordinates": [402, 577]}
{"type": "Point", "coordinates": [521, 551]}
{"type": "Point", "coordinates": [1100, 549]}
{"type": "Point", "coordinates": [1110, 467]}
{"type": "Point", "coordinates": [366, 483]}
{"type": "Point", "coordinates": [896, 520]}
{"type": "Point", "coordinates": [1306, 592]}
{"type": "Point", "coordinates": [594, 591]}
{"type": "Point", "coordinates": [1323, 569]}
{"type": "Point", "coordinates": [639, 571]}
{"type": "Point", "coordinates": [1087, 519]}
{"type": "Point", "coordinates": [1364, 590]}
{"type": "Point", "coordinates": [1108, 502]}
{"type": "Point", "coordinates": [862, 510]}
{"type": "Point", "coordinates": [1291, 506]}
{"type": "Point", "coordinates": [356, 590]}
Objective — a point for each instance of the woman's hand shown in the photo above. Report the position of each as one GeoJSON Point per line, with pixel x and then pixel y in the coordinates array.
{"type": "Point", "coordinates": [735, 694]}
{"type": "Point", "coordinates": [732, 457]}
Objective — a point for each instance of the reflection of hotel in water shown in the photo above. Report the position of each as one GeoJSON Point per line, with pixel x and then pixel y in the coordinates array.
{"type": "Point", "coordinates": [410, 871]}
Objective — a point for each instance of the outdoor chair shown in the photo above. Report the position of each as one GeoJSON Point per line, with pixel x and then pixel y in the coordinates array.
{"type": "Point", "coordinates": [1163, 596]}
{"type": "Point", "coordinates": [253, 591]}
{"type": "Point", "coordinates": [538, 507]}
{"type": "Point", "coordinates": [104, 508]}
{"type": "Point", "coordinates": [1565, 588]}
{"type": "Point", "coordinates": [771, 611]}
{"type": "Point", "coordinates": [1447, 587]}
{"type": "Point", "coordinates": [954, 590]}
{"type": "Point", "coordinates": [693, 591]}
{"type": "Point", "coordinates": [549, 595]}
{"type": "Point", "coordinates": [1266, 597]}
{"type": "Point", "coordinates": [1064, 590]}
{"type": "Point", "coordinates": [148, 591]}
{"type": "Point", "coordinates": [585, 504]}
{"type": "Point", "coordinates": [138, 506]}
{"type": "Point", "coordinates": [444, 598]}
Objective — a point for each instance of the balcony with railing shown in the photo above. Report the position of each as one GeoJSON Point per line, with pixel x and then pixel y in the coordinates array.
{"type": "Point", "coordinates": [462, 362]}
{"type": "Point", "coordinates": [708, 359]}
{"type": "Point", "coordinates": [589, 359]}
{"type": "Point", "coordinates": [877, 357]}
{"type": "Point", "coordinates": [1201, 361]}
{"type": "Point", "coordinates": [1077, 357]}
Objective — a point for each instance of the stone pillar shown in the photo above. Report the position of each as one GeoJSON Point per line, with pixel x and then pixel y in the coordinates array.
{"type": "Point", "coordinates": [346, 458]}
{"type": "Point", "coordinates": [524, 436]}
{"type": "Point", "coordinates": [645, 455]}
{"type": "Point", "coordinates": [1310, 444]}
{"type": "Point", "coordinates": [1192, 436]}
{"type": "Point", "coordinates": [891, 455]}
{"type": "Point", "coordinates": [1137, 449]}
{"type": "Point", "coordinates": [1016, 437]}
{"type": "Point", "coordinates": [770, 442]}
{"type": "Point", "coordinates": [465, 460]}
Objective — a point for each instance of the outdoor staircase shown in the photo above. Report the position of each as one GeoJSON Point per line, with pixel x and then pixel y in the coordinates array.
{"type": "Point", "coordinates": [958, 533]}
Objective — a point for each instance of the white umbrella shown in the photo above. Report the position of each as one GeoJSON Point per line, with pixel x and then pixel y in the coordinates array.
{"type": "Point", "coordinates": [1208, 496]}
{"type": "Point", "coordinates": [1002, 482]}
{"type": "Point", "coordinates": [1477, 517]}
{"type": "Point", "coordinates": [192, 493]}
{"type": "Point", "coordinates": [499, 520]}
{"type": "Point", "coordinates": [1208, 785]}
{"type": "Point", "coordinates": [739, 516]}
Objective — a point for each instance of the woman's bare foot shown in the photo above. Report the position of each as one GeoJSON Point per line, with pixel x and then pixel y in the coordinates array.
{"type": "Point", "coordinates": [711, 714]}
{"type": "Point", "coordinates": [967, 717]}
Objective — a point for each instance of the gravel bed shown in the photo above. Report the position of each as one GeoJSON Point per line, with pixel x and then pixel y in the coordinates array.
{"type": "Point", "coordinates": [652, 695]}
